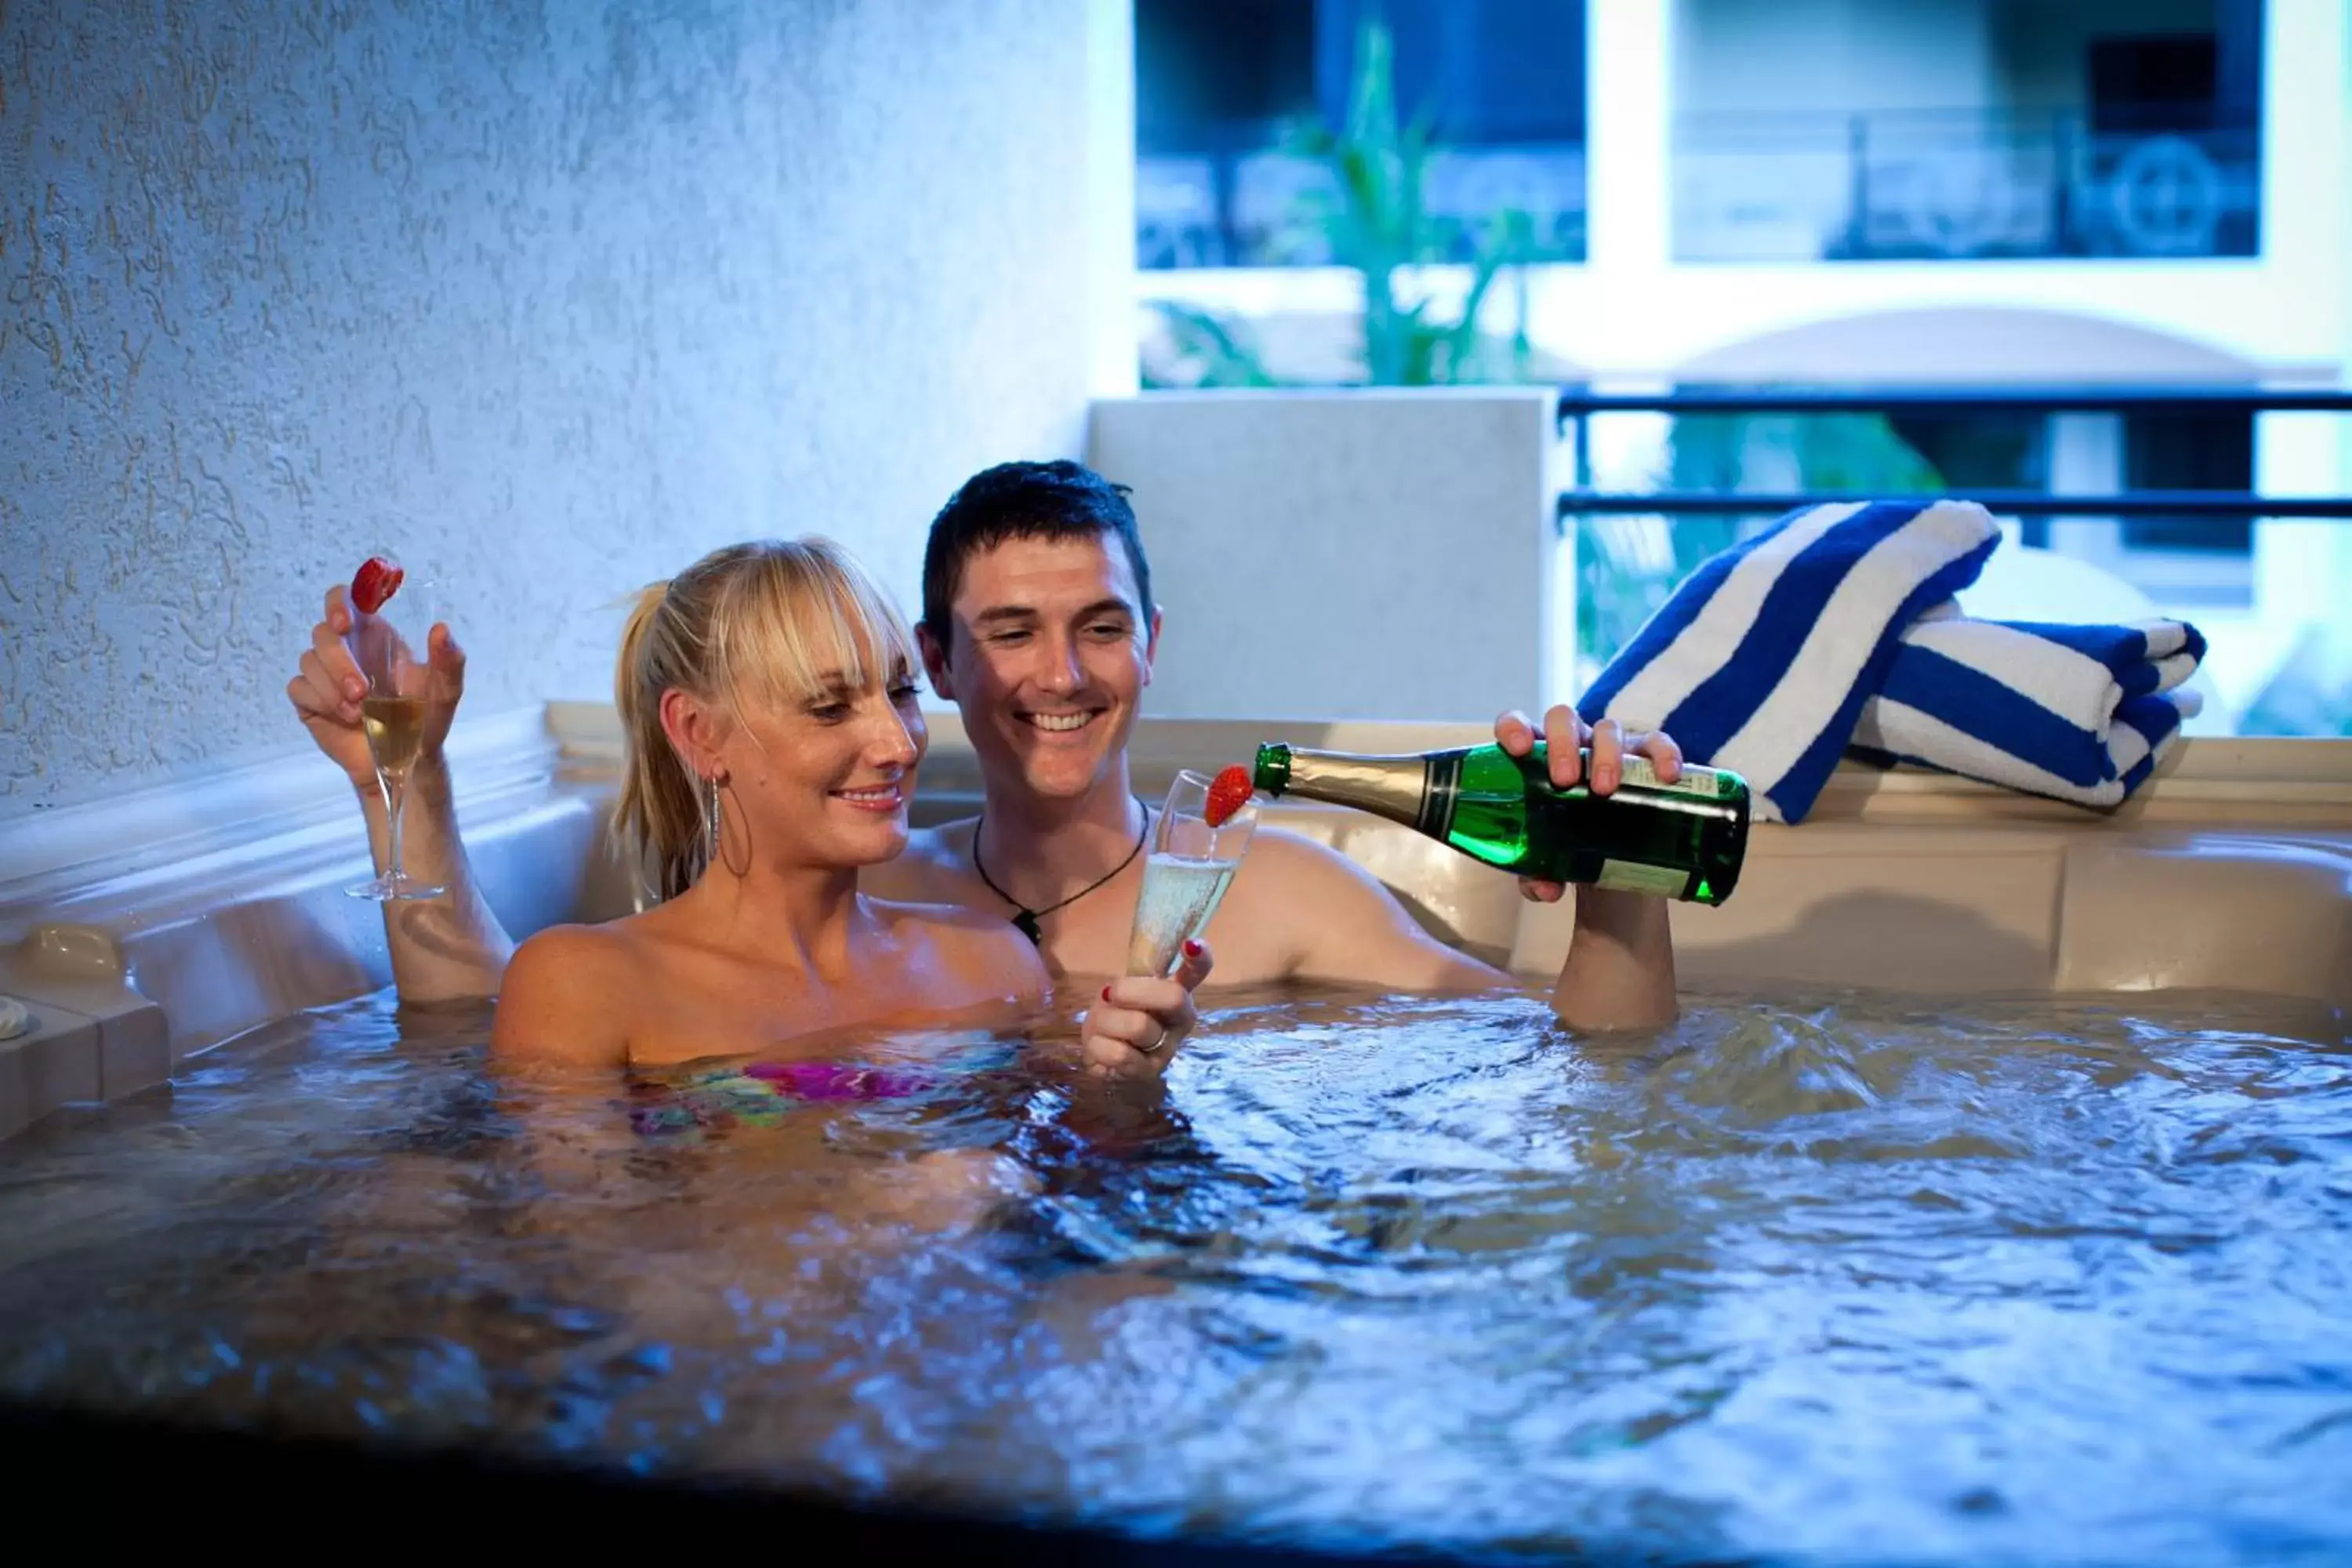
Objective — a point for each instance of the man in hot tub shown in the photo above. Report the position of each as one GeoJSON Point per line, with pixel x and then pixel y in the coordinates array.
{"type": "Point", "coordinates": [1038, 623]}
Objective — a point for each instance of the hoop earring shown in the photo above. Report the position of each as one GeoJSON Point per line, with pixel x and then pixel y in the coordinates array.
{"type": "Point", "coordinates": [711, 820]}
{"type": "Point", "coordinates": [720, 836]}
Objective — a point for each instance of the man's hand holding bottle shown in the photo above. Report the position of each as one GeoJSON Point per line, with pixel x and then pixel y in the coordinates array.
{"type": "Point", "coordinates": [1566, 738]}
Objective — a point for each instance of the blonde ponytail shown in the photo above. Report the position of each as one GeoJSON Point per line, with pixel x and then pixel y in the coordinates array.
{"type": "Point", "coordinates": [772, 621]}
{"type": "Point", "coordinates": [660, 809]}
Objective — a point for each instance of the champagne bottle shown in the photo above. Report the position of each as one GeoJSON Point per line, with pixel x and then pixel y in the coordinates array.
{"type": "Point", "coordinates": [1682, 840]}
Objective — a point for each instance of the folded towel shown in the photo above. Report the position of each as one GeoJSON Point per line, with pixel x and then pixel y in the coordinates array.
{"type": "Point", "coordinates": [1761, 661]}
{"type": "Point", "coordinates": [2078, 713]}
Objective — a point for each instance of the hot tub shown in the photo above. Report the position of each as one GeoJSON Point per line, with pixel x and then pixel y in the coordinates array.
{"type": "Point", "coordinates": [1988, 1202]}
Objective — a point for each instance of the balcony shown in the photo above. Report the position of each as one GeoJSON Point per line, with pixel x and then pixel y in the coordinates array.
{"type": "Point", "coordinates": [1261, 207]}
{"type": "Point", "coordinates": [1959, 186]}
{"type": "Point", "coordinates": [1543, 527]}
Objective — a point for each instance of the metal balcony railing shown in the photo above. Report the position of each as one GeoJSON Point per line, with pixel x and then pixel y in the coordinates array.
{"type": "Point", "coordinates": [1256, 205]}
{"type": "Point", "coordinates": [1579, 406]}
{"type": "Point", "coordinates": [1959, 185]}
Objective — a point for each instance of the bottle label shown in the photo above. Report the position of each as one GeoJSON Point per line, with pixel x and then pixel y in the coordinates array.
{"type": "Point", "coordinates": [1632, 876]}
{"type": "Point", "coordinates": [1707, 784]}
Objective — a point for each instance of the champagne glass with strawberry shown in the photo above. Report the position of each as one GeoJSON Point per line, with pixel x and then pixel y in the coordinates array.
{"type": "Point", "coordinates": [1196, 847]}
{"type": "Point", "coordinates": [392, 619]}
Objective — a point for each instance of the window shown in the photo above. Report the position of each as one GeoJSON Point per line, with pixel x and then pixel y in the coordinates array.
{"type": "Point", "coordinates": [1218, 83]}
{"type": "Point", "coordinates": [1213, 75]}
{"type": "Point", "coordinates": [2145, 84]}
{"type": "Point", "coordinates": [1488, 71]}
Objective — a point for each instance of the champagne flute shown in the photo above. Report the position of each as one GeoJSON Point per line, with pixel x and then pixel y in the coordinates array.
{"type": "Point", "coordinates": [1185, 877]}
{"type": "Point", "coordinates": [388, 645]}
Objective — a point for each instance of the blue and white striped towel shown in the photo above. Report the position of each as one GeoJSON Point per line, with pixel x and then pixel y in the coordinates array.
{"type": "Point", "coordinates": [1761, 661]}
{"type": "Point", "coordinates": [2078, 713]}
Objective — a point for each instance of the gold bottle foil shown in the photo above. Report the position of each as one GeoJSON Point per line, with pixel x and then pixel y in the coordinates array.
{"type": "Point", "coordinates": [1392, 787]}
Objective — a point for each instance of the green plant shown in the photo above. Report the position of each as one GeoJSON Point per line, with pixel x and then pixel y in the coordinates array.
{"type": "Point", "coordinates": [1206, 348]}
{"type": "Point", "coordinates": [1371, 218]}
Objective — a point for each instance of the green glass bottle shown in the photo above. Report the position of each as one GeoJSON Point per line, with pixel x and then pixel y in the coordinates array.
{"type": "Point", "coordinates": [1682, 840]}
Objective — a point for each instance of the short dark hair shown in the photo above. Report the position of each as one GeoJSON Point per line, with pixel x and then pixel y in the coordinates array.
{"type": "Point", "coordinates": [1060, 500]}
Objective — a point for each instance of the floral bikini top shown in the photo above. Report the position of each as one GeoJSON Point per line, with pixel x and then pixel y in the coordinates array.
{"type": "Point", "coordinates": [760, 1094]}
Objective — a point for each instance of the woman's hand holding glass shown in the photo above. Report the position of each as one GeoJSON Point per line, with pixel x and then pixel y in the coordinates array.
{"type": "Point", "coordinates": [1134, 1027]}
{"type": "Point", "coordinates": [1142, 1016]}
{"type": "Point", "coordinates": [327, 690]}
{"type": "Point", "coordinates": [377, 691]}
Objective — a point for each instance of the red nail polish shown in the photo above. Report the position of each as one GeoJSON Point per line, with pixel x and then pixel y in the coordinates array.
{"type": "Point", "coordinates": [1105, 992]}
{"type": "Point", "coordinates": [1191, 949]}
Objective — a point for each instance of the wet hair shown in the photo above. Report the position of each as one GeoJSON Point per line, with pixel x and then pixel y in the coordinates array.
{"type": "Point", "coordinates": [776, 623]}
{"type": "Point", "coordinates": [1060, 500]}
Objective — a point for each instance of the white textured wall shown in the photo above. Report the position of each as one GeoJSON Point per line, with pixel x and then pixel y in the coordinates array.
{"type": "Point", "coordinates": [1378, 553]}
{"type": "Point", "coordinates": [552, 297]}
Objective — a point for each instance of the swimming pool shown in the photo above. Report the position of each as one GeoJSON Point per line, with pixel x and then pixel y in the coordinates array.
{"type": "Point", "coordinates": [1990, 1202]}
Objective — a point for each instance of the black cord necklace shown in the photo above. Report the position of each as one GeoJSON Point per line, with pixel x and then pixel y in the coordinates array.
{"type": "Point", "coordinates": [1026, 919]}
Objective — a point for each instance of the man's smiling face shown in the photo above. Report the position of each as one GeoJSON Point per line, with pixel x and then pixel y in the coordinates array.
{"type": "Point", "coordinates": [1052, 649]}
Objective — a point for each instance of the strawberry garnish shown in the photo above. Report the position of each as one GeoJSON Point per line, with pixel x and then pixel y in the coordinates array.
{"type": "Point", "coordinates": [1228, 793]}
{"type": "Point", "coordinates": [377, 580]}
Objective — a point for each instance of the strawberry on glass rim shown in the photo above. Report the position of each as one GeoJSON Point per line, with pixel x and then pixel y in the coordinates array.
{"type": "Point", "coordinates": [1228, 793]}
{"type": "Point", "coordinates": [377, 580]}
{"type": "Point", "coordinates": [1196, 847]}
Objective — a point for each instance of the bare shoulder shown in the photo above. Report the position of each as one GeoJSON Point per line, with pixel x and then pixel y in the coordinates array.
{"type": "Point", "coordinates": [566, 995]}
{"type": "Point", "coordinates": [983, 945]}
{"type": "Point", "coordinates": [950, 921]}
{"type": "Point", "coordinates": [1287, 864]}
{"type": "Point", "coordinates": [1292, 899]}
{"type": "Point", "coordinates": [1338, 922]}
{"type": "Point", "coordinates": [583, 954]}
{"type": "Point", "coordinates": [953, 924]}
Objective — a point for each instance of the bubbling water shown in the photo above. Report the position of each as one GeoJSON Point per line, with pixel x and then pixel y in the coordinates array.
{"type": "Point", "coordinates": [1834, 1277]}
